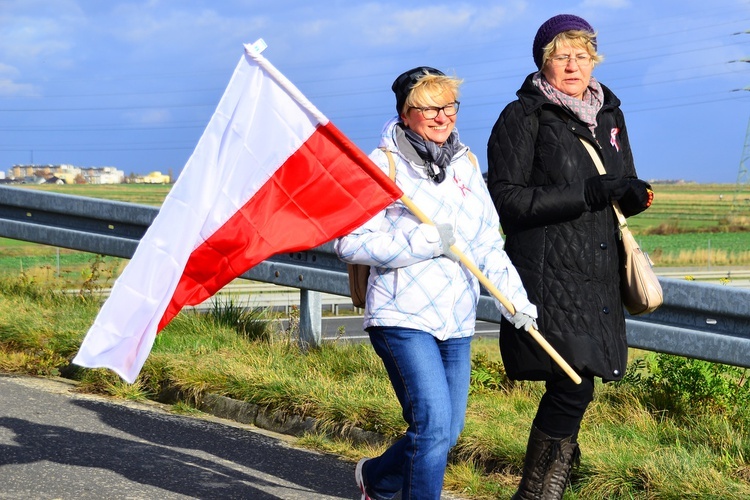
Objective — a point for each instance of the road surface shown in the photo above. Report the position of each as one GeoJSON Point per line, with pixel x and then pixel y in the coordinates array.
{"type": "Point", "coordinates": [350, 328]}
{"type": "Point", "coordinates": [56, 444]}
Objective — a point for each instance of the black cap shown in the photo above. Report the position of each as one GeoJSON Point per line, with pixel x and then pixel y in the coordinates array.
{"type": "Point", "coordinates": [405, 82]}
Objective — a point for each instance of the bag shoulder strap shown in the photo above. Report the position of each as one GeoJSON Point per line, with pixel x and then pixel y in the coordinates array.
{"type": "Point", "coordinates": [600, 167]}
{"type": "Point", "coordinates": [594, 155]}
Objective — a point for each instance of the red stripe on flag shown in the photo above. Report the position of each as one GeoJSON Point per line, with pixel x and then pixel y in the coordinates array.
{"type": "Point", "coordinates": [326, 189]}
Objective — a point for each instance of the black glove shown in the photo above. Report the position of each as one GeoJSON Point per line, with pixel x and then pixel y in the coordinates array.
{"type": "Point", "coordinates": [601, 190]}
{"type": "Point", "coordinates": [637, 198]}
{"type": "Point", "coordinates": [639, 190]}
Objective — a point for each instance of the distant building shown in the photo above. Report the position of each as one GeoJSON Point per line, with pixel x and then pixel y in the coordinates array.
{"type": "Point", "coordinates": [103, 175]}
{"type": "Point", "coordinates": [67, 174]}
{"type": "Point", "coordinates": [155, 178]}
{"type": "Point", "coordinates": [22, 172]}
{"type": "Point", "coordinates": [40, 173]}
{"type": "Point", "coordinates": [54, 180]}
{"type": "Point", "coordinates": [670, 181]}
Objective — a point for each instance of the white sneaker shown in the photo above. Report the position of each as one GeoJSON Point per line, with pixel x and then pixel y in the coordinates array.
{"type": "Point", "coordinates": [359, 478]}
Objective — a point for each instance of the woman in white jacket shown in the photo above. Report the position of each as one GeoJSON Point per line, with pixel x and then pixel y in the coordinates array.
{"type": "Point", "coordinates": [421, 302]}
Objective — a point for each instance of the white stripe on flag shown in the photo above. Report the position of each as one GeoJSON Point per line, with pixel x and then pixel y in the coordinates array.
{"type": "Point", "coordinates": [254, 130]}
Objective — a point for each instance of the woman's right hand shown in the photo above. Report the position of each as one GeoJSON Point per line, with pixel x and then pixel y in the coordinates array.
{"type": "Point", "coordinates": [601, 190]}
{"type": "Point", "coordinates": [447, 239]}
{"type": "Point", "coordinates": [441, 237]}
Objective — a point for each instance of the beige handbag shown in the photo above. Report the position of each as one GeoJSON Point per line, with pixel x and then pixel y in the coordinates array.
{"type": "Point", "coordinates": [640, 288]}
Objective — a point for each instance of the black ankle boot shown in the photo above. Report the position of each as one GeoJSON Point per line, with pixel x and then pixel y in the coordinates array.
{"type": "Point", "coordinates": [547, 466]}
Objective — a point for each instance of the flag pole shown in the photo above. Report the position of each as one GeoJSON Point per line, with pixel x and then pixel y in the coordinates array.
{"type": "Point", "coordinates": [497, 294]}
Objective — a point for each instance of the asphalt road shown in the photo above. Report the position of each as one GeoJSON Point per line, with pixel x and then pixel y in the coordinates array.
{"type": "Point", "coordinates": [350, 328]}
{"type": "Point", "coordinates": [56, 444]}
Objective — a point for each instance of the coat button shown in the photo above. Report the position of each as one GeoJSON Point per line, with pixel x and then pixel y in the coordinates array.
{"type": "Point", "coordinates": [605, 310]}
{"type": "Point", "coordinates": [603, 246]}
{"type": "Point", "coordinates": [616, 373]}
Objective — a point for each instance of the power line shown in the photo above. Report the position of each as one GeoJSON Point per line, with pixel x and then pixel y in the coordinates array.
{"type": "Point", "coordinates": [620, 39]}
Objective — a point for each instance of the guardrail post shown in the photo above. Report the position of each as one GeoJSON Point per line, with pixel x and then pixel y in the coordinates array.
{"type": "Point", "coordinates": [310, 318]}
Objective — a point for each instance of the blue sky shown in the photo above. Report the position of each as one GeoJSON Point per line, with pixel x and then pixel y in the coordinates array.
{"type": "Point", "coordinates": [133, 84]}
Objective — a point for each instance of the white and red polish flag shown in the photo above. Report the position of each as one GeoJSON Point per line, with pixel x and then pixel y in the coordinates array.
{"type": "Point", "coordinates": [270, 174]}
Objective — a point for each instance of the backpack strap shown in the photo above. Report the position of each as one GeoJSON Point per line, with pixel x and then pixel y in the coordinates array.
{"type": "Point", "coordinates": [359, 274]}
{"type": "Point", "coordinates": [391, 163]}
{"type": "Point", "coordinates": [473, 159]}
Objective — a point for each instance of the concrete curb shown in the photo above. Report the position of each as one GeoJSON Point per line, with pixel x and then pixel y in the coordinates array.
{"type": "Point", "coordinates": [268, 419]}
{"type": "Point", "coordinates": [281, 422]}
{"type": "Point", "coordinates": [226, 408]}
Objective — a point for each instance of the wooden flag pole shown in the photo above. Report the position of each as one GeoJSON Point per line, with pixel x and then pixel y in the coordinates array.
{"type": "Point", "coordinates": [497, 294]}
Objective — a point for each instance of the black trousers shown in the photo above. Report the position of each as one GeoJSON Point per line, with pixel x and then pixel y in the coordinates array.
{"type": "Point", "coordinates": [562, 407]}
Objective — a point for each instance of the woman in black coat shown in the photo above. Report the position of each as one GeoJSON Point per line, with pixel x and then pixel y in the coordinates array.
{"type": "Point", "coordinates": [562, 236]}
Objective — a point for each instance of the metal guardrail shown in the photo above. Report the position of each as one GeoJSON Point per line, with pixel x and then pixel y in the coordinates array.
{"type": "Point", "coordinates": [697, 320]}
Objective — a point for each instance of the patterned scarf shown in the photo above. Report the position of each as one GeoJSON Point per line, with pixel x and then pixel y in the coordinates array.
{"type": "Point", "coordinates": [585, 109]}
{"type": "Point", "coordinates": [436, 158]}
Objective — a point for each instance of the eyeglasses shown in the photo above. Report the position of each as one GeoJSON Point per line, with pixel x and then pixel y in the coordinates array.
{"type": "Point", "coordinates": [561, 61]}
{"type": "Point", "coordinates": [430, 112]}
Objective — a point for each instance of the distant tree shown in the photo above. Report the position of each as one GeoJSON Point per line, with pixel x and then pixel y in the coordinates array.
{"type": "Point", "coordinates": [80, 179]}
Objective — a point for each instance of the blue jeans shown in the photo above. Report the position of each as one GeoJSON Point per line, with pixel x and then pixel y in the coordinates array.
{"type": "Point", "coordinates": [431, 381]}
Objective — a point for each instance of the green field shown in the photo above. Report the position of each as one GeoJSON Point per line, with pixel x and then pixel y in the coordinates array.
{"type": "Point", "coordinates": [696, 225]}
{"type": "Point", "coordinates": [687, 225]}
{"type": "Point", "coordinates": [695, 207]}
{"type": "Point", "coordinates": [142, 194]}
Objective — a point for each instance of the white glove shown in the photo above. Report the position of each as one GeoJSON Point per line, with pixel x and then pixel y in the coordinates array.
{"type": "Point", "coordinates": [523, 321]}
{"type": "Point", "coordinates": [446, 240]}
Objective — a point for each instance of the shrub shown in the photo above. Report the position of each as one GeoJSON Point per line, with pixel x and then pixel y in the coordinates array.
{"type": "Point", "coordinates": [488, 375]}
{"type": "Point", "coordinates": [684, 388]}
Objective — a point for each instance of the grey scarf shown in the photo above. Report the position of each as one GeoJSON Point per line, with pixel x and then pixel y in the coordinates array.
{"type": "Point", "coordinates": [436, 158]}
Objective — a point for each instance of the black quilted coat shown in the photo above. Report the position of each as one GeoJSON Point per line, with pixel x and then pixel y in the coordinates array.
{"type": "Point", "coordinates": [568, 256]}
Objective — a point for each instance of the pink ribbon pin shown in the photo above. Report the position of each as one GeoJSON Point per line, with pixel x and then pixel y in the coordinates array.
{"type": "Point", "coordinates": [613, 138]}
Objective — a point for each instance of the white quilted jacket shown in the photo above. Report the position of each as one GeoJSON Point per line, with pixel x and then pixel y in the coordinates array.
{"type": "Point", "coordinates": [408, 286]}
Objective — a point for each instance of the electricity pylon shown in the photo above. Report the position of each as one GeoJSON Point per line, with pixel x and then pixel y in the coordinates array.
{"type": "Point", "coordinates": [742, 176]}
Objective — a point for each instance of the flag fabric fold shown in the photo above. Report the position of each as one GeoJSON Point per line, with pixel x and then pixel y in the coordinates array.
{"type": "Point", "coordinates": [270, 174]}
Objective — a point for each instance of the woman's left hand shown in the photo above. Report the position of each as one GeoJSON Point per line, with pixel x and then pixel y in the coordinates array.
{"type": "Point", "coordinates": [637, 198]}
{"type": "Point", "coordinates": [642, 192]}
{"type": "Point", "coordinates": [523, 321]}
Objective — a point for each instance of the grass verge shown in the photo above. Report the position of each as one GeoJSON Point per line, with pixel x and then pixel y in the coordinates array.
{"type": "Point", "coordinates": [641, 439]}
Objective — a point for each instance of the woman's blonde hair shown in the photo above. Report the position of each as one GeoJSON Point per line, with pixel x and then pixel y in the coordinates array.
{"type": "Point", "coordinates": [432, 90]}
{"type": "Point", "coordinates": [576, 39]}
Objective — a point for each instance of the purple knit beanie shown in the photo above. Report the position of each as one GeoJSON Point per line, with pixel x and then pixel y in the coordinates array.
{"type": "Point", "coordinates": [553, 27]}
